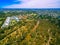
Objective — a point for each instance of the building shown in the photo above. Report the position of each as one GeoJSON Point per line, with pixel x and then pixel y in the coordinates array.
{"type": "Point", "coordinates": [8, 20]}
{"type": "Point", "coordinates": [15, 18]}
{"type": "Point", "coordinates": [6, 23]}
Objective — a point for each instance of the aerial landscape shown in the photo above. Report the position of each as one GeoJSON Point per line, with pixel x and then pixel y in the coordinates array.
{"type": "Point", "coordinates": [29, 26]}
{"type": "Point", "coordinates": [29, 22]}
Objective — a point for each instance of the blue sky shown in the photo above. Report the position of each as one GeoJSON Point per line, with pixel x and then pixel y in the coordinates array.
{"type": "Point", "coordinates": [29, 3]}
{"type": "Point", "coordinates": [7, 3]}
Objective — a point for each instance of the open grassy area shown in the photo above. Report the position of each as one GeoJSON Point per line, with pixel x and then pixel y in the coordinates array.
{"type": "Point", "coordinates": [33, 30]}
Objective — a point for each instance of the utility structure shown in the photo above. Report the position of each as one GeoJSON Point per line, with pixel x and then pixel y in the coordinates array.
{"type": "Point", "coordinates": [8, 20]}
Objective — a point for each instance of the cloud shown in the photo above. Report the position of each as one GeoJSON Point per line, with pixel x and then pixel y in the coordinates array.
{"type": "Point", "coordinates": [36, 4]}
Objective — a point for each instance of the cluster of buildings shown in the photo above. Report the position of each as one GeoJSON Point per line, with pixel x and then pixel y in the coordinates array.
{"type": "Point", "coordinates": [8, 20]}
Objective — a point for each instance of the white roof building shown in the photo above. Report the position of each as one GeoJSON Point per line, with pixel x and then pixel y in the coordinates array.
{"type": "Point", "coordinates": [6, 23]}
{"type": "Point", "coordinates": [8, 20]}
{"type": "Point", "coordinates": [15, 18]}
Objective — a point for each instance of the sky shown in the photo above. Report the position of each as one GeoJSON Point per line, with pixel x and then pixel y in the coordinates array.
{"type": "Point", "coordinates": [29, 3]}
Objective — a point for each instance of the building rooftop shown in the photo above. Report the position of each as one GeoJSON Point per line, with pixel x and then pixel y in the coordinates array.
{"type": "Point", "coordinates": [8, 20]}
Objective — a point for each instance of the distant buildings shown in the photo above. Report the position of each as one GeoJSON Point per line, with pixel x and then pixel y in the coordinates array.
{"type": "Point", "coordinates": [6, 23]}
{"type": "Point", "coordinates": [8, 20]}
{"type": "Point", "coordinates": [15, 18]}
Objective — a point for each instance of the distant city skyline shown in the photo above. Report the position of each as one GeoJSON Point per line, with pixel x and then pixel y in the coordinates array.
{"type": "Point", "coordinates": [29, 3]}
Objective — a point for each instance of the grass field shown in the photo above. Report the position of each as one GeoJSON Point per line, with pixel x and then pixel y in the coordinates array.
{"type": "Point", "coordinates": [33, 30]}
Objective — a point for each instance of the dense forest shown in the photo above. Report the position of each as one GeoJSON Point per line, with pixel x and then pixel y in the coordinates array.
{"type": "Point", "coordinates": [36, 27]}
